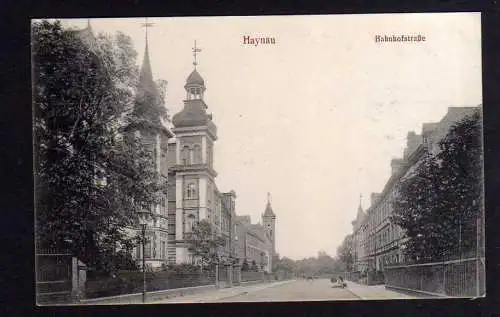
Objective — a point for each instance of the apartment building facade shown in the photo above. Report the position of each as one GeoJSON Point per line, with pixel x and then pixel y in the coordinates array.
{"type": "Point", "coordinates": [378, 242]}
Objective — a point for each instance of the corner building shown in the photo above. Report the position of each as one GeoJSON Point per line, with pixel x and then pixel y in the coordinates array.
{"type": "Point", "coordinates": [194, 195]}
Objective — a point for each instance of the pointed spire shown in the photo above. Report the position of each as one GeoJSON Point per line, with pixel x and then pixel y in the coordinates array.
{"type": "Point", "coordinates": [360, 208]}
{"type": "Point", "coordinates": [146, 82]}
{"type": "Point", "coordinates": [269, 210]}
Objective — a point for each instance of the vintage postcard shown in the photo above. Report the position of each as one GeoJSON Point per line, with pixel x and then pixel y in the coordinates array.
{"type": "Point", "coordinates": [258, 158]}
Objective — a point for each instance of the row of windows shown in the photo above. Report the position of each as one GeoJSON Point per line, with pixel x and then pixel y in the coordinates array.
{"type": "Point", "coordinates": [254, 254]}
{"type": "Point", "coordinates": [389, 259]}
{"type": "Point", "coordinates": [150, 251]}
{"type": "Point", "coordinates": [380, 239]}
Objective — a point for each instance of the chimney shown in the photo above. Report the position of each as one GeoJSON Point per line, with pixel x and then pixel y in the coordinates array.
{"type": "Point", "coordinates": [427, 129]}
{"type": "Point", "coordinates": [413, 140]}
{"type": "Point", "coordinates": [396, 165]}
{"type": "Point", "coordinates": [374, 198]}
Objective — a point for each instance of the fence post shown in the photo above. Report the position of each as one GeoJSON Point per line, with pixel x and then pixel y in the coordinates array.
{"type": "Point", "coordinates": [238, 274]}
{"type": "Point", "coordinates": [217, 275]}
{"type": "Point", "coordinates": [444, 279]}
{"type": "Point", "coordinates": [478, 257]}
{"type": "Point", "coordinates": [77, 279]}
{"type": "Point", "coordinates": [230, 275]}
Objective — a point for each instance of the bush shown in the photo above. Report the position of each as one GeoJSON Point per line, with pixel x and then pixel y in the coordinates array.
{"type": "Point", "coordinates": [245, 267]}
{"type": "Point", "coordinates": [127, 282]}
{"type": "Point", "coordinates": [183, 268]}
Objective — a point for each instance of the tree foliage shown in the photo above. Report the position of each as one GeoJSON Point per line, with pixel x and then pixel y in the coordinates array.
{"type": "Point", "coordinates": [438, 203]}
{"type": "Point", "coordinates": [90, 179]}
{"type": "Point", "coordinates": [203, 243]}
{"type": "Point", "coordinates": [345, 253]}
{"type": "Point", "coordinates": [322, 264]}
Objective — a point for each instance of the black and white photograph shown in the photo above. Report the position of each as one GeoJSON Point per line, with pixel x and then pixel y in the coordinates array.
{"type": "Point", "coordinates": [276, 158]}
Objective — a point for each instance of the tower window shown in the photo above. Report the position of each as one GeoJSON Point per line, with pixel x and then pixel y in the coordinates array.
{"type": "Point", "coordinates": [185, 155]}
{"type": "Point", "coordinates": [191, 191]}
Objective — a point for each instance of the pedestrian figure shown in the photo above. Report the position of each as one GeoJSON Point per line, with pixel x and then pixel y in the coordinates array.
{"type": "Point", "coordinates": [341, 282]}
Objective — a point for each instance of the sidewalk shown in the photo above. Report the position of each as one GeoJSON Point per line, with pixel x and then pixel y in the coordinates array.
{"type": "Point", "coordinates": [219, 294]}
{"type": "Point", "coordinates": [375, 292]}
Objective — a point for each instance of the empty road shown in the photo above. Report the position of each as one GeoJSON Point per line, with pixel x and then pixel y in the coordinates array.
{"type": "Point", "coordinates": [301, 290]}
{"type": "Point", "coordinates": [297, 290]}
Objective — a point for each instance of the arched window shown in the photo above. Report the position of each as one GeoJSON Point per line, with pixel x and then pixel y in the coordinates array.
{"type": "Point", "coordinates": [191, 191]}
{"type": "Point", "coordinates": [197, 154]}
{"type": "Point", "coordinates": [185, 159]}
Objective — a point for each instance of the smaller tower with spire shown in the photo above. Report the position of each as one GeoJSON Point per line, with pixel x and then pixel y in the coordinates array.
{"type": "Point", "coordinates": [269, 223]}
{"type": "Point", "coordinates": [154, 136]}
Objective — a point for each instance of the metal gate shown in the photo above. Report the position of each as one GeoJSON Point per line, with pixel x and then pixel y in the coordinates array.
{"type": "Point", "coordinates": [53, 277]}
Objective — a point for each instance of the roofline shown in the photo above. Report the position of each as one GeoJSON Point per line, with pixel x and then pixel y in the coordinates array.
{"type": "Point", "coordinates": [410, 161]}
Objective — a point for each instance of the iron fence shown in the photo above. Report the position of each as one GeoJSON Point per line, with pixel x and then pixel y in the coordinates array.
{"type": "Point", "coordinates": [451, 278]}
{"type": "Point", "coordinates": [53, 276]}
{"type": "Point", "coordinates": [127, 282]}
{"type": "Point", "coordinates": [235, 272]}
{"type": "Point", "coordinates": [353, 276]}
{"type": "Point", "coordinates": [247, 276]}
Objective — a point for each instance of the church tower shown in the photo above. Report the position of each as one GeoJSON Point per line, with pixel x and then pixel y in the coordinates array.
{"type": "Point", "coordinates": [149, 124]}
{"type": "Point", "coordinates": [196, 134]}
{"type": "Point", "coordinates": [269, 223]}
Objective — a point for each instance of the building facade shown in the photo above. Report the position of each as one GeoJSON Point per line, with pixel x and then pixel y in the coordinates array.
{"type": "Point", "coordinates": [377, 242]}
{"type": "Point", "coordinates": [183, 157]}
{"type": "Point", "coordinates": [255, 243]}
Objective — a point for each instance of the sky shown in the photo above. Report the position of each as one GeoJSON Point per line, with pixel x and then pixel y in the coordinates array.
{"type": "Point", "coordinates": [315, 118]}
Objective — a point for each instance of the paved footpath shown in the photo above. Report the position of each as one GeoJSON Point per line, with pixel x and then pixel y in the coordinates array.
{"type": "Point", "coordinates": [375, 292]}
{"type": "Point", "coordinates": [222, 294]}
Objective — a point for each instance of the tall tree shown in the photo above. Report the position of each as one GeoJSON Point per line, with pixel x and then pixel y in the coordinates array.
{"type": "Point", "coordinates": [344, 252]}
{"type": "Point", "coordinates": [203, 243]}
{"type": "Point", "coordinates": [415, 209]}
{"type": "Point", "coordinates": [438, 203]}
{"type": "Point", "coordinates": [89, 180]}
{"type": "Point", "coordinates": [461, 173]}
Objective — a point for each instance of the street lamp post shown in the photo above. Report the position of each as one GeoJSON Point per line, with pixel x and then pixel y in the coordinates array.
{"type": "Point", "coordinates": [143, 227]}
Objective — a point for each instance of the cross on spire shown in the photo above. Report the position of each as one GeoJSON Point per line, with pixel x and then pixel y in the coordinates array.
{"type": "Point", "coordinates": [195, 50]}
{"type": "Point", "coordinates": [268, 197]}
{"type": "Point", "coordinates": [146, 25]}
